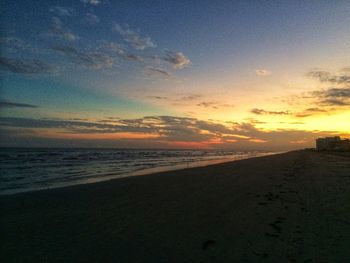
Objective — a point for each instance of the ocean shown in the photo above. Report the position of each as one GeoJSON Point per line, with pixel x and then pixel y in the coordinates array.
{"type": "Point", "coordinates": [23, 170]}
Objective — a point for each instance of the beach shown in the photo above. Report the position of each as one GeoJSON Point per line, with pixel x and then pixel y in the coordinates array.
{"type": "Point", "coordinates": [290, 207]}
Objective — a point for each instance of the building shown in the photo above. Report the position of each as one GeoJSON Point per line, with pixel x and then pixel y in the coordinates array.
{"type": "Point", "coordinates": [332, 144]}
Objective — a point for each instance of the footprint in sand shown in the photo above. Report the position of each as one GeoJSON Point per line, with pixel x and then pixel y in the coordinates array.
{"type": "Point", "coordinates": [263, 203]}
{"type": "Point", "coordinates": [208, 244]}
{"type": "Point", "coordinates": [276, 227]}
{"type": "Point", "coordinates": [271, 235]}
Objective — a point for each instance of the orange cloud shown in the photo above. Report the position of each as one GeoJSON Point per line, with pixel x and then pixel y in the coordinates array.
{"type": "Point", "coordinates": [257, 140]}
{"type": "Point", "coordinates": [105, 136]}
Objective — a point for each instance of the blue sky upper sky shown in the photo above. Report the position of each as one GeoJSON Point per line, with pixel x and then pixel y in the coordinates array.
{"type": "Point", "coordinates": [228, 63]}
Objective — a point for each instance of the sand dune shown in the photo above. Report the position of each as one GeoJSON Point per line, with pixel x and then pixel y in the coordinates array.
{"type": "Point", "coordinates": [292, 207]}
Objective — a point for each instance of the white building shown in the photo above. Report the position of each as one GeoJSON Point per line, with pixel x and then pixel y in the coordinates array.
{"type": "Point", "coordinates": [332, 144]}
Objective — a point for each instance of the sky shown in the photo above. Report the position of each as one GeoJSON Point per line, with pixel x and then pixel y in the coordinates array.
{"type": "Point", "coordinates": [245, 75]}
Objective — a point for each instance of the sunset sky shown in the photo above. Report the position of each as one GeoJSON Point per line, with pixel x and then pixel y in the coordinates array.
{"type": "Point", "coordinates": [270, 75]}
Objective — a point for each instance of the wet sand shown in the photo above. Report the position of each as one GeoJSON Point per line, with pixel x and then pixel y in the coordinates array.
{"type": "Point", "coordinates": [292, 207]}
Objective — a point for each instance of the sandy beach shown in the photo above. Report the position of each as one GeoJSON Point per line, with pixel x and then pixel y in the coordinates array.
{"type": "Point", "coordinates": [291, 207]}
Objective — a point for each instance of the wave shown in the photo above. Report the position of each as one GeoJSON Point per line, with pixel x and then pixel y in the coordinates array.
{"type": "Point", "coordinates": [25, 170]}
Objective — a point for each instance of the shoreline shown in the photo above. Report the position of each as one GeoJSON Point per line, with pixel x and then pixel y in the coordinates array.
{"type": "Point", "coordinates": [141, 172]}
{"type": "Point", "coordinates": [291, 207]}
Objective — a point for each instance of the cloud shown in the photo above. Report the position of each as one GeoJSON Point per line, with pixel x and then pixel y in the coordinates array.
{"type": "Point", "coordinates": [323, 101]}
{"type": "Point", "coordinates": [158, 97]}
{"type": "Point", "coordinates": [51, 123]}
{"type": "Point", "coordinates": [332, 96]}
{"type": "Point", "coordinates": [191, 97]}
{"type": "Point", "coordinates": [176, 59]}
{"type": "Point", "coordinates": [334, 102]}
{"type": "Point", "coordinates": [133, 38]}
{"type": "Point", "coordinates": [146, 124]}
{"type": "Point", "coordinates": [336, 93]}
{"type": "Point", "coordinates": [185, 98]}
{"type": "Point", "coordinates": [62, 11]}
{"type": "Point", "coordinates": [91, 2]}
{"type": "Point", "coordinates": [167, 126]}
{"type": "Point", "coordinates": [310, 112]}
{"type": "Point", "coordinates": [91, 19]}
{"type": "Point", "coordinates": [58, 30]}
{"type": "Point", "coordinates": [315, 110]}
{"type": "Point", "coordinates": [254, 121]}
{"type": "Point", "coordinates": [281, 138]}
{"type": "Point", "coordinates": [15, 44]}
{"type": "Point", "coordinates": [207, 104]}
{"type": "Point", "coordinates": [92, 60]}
{"type": "Point", "coordinates": [151, 71]}
{"type": "Point", "coordinates": [172, 129]}
{"type": "Point", "coordinates": [25, 66]}
{"type": "Point", "coordinates": [263, 72]}
{"type": "Point", "coordinates": [122, 52]}
{"type": "Point", "coordinates": [325, 76]}
{"type": "Point", "coordinates": [213, 104]}
{"type": "Point", "coordinates": [9, 104]}
{"type": "Point", "coordinates": [265, 112]}
{"type": "Point", "coordinates": [132, 57]}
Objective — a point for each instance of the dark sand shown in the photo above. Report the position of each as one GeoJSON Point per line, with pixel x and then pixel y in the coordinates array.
{"type": "Point", "coordinates": [292, 207]}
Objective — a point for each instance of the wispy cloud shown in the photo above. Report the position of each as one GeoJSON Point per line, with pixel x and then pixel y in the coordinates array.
{"type": "Point", "coordinates": [266, 112]}
{"type": "Point", "coordinates": [133, 38]}
{"type": "Point", "coordinates": [333, 93]}
{"type": "Point", "coordinates": [176, 59]}
{"type": "Point", "coordinates": [15, 44]}
{"type": "Point", "coordinates": [91, 19]}
{"type": "Point", "coordinates": [325, 76]}
{"type": "Point", "coordinates": [151, 71]}
{"type": "Point", "coordinates": [213, 104]}
{"type": "Point", "coordinates": [62, 11]}
{"type": "Point", "coordinates": [263, 72]}
{"type": "Point", "coordinates": [91, 2]}
{"type": "Point", "coordinates": [26, 66]}
{"type": "Point", "coordinates": [58, 30]}
{"type": "Point", "coordinates": [338, 94]}
{"type": "Point", "coordinates": [92, 60]}
{"type": "Point", "coordinates": [310, 112]}
{"type": "Point", "coordinates": [190, 97]}
{"type": "Point", "coordinates": [158, 97]}
{"type": "Point", "coordinates": [332, 96]}
{"type": "Point", "coordinates": [334, 102]}
{"type": "Point", "coordinates": [122, 52]}
{"type": "Point", "coordinates": [9, 104]}
{"type": "Point", "coordinates": [132, 57]}
{"type": "Point", "coordinates": [179, 98]}
{"type": "Point", "coordinates": [324, 100]}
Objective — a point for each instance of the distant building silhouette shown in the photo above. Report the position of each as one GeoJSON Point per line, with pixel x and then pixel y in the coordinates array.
{"type": "Point", "coordinates": [332, 144]}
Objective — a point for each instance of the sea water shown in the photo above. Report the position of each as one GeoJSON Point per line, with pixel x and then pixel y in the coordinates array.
{"type": "Point", "coordinates": [23, 170]}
